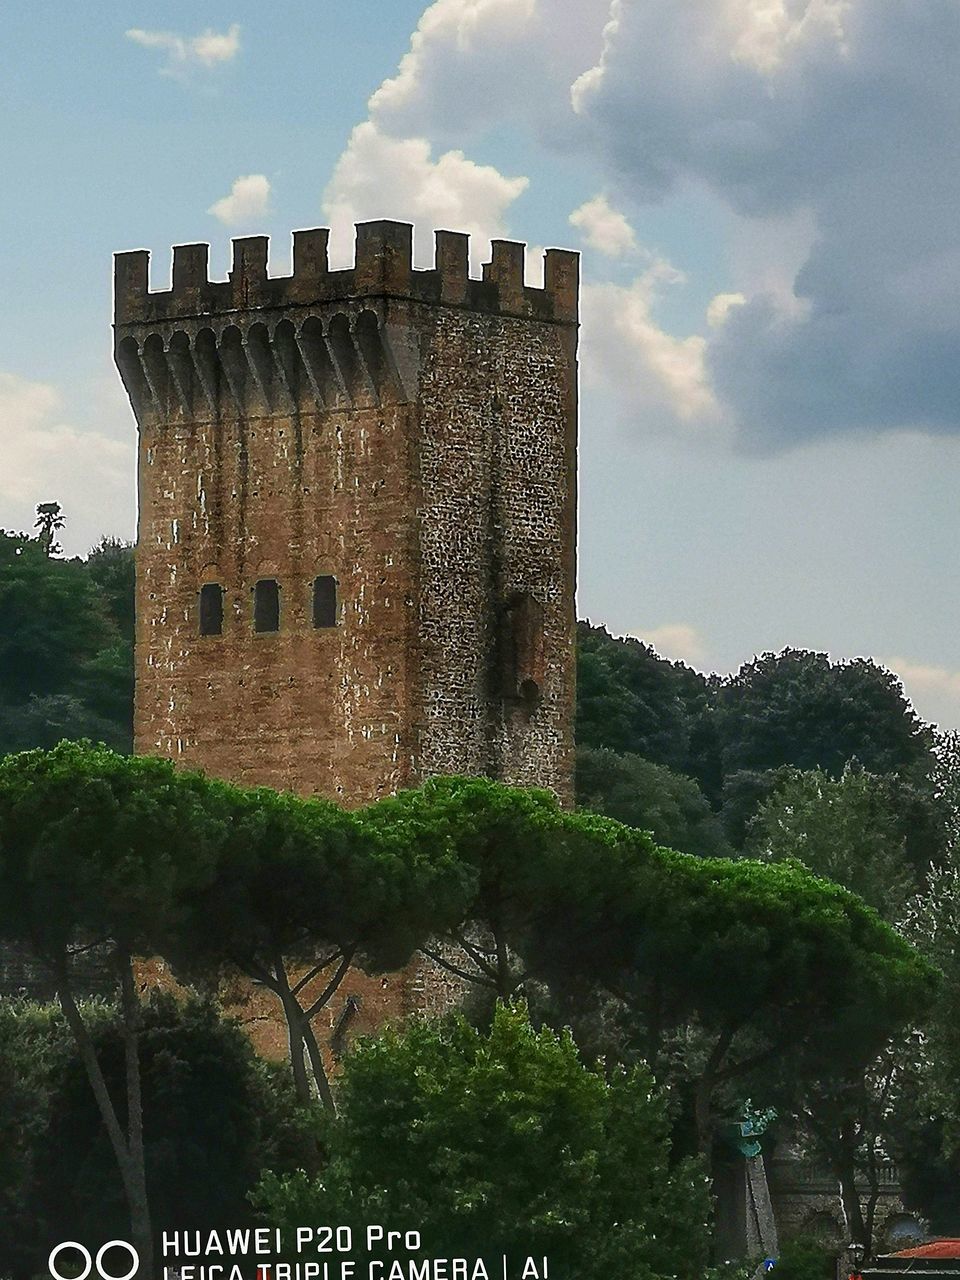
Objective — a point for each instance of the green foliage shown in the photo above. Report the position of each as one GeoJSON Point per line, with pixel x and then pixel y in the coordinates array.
{"type": "Point", "coordinates": [797, 708]}
{"type": "Point", "coordinates": [803, 1258]}
{"type": "Point", "coordinates": [527, 862]}
{"type": "Point", "coordinates": [746, 944]}
{"type": "Point", "coordinates": [215, 1117]}
{"type": "Point", "coordinates": [52, 618]}
{"type": "Point", "coordinates": [630, 700]}
{"type": "Point", "coordinates": [744, 793]}
{"type": "Point", "coordinates": [304, 884]}
{"type": "Point", "coordinates": [505, 1142]}
{"type": "Point", "coordinates": [95, 845]}
{"type": "Point", "coordinates": [34, 1042]}
{"type": "Point", "coordinates": [926, 1120]}
{"type": "Point", "coordinates": [844, 829]}
{"type": "Point", "coordinates": [111, 565]}
{"type": "Point", "coordinates": [43, 722]}
{"type": "Point", "coordinates": [213, 1120]}
{"type": "Point", "coordinates": [735, 736]}
{"type": "Point", "coordinates": [505, 839]}
{"type": "Point", "coordinates": [66, 645]}
{"type": "Point", "coordinates": [649, 796]}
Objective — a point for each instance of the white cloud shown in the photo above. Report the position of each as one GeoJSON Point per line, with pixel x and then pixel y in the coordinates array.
{"type": "Point", "coordinates": [678, 641]}
{"type": "Point", "coordinates": [604, 228]}
{"type": "Point", "coordinates": [660, 381]}
{"type": "Point", "coordinates": [765, 33]}
{"type": "Point", "coordinates": [45, 459]}
{"type": "Point", "coordinates": [208, 49]}
{"type": "Point", "coordinates": [720, 306]}
{"type": "Point", "coordinates": [471, 62]}
{"type": "Point", "coordinates": [249, 199]}
{"type": "Point", "coordinates": [463, 27]}
{"type": "Point", "coordinates": [384, 177]}
{"type": "Point", "coordinates": [933, 690]}
{"type": "Point", "coordinates": [832, 121]}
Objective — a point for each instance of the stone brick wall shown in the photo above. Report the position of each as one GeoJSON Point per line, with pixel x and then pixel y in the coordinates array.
{"type": "Point", "coordinates": [496, 528]}
{"type": "Point", "coordinates": [411, 434]}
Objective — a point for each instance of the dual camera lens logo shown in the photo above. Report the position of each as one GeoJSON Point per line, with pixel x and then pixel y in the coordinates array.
{"type": "Point", "coordinates": [71, 1252]}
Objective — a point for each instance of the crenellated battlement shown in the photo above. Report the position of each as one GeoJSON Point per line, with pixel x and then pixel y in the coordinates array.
{"type": "Point", "coordinates": [383, 268]}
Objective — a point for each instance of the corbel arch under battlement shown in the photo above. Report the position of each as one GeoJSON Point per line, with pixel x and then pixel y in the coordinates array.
{"type": "Point", "coordinates": [333, 357]}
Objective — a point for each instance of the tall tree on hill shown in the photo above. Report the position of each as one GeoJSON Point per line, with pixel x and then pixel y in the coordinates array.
{"type": "Point", "coordinates": [66, 654]}
{"type": "Point", "coordinates": [629, 699]}
{"type": "Point", "coordinates": [52, 620]}
{"type": "Point", "coordinates": [49, 522]}
{"type": "Point", "coordinates": [798, 708]}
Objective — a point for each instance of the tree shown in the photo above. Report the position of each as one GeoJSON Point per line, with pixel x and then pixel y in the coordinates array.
{"type": "Point", "coordinates": [111, 564]}
{"type": "Point", "coordinates": [762, 961]}
{"type": "Point", "coordinates": [214, 1118]}
{"type": "Point", "coordinates": [66, 646]}
{"type": "Point", "coordinates": [505, 1143]}
{"type": "Point", "coordinates": [518, 849]}
{"type": "Point", "coordinates": [52, 619]}
{"type": "Point", "coordinates": [102, 849]}
{"type": "Point", "coordinates": [34, 1042]}
{"type": "Point", "coordinates": [630, 700]}
{"type": "Point", "coordinates": [766, 961]}
{"type": "Point", "coordinates": [650, 796]}
{"type": "Point", "coordinates": [843, 829]}
{"type": "Point", "coordinates": [301, 891]}
{"type": "Point", "coordinates": [798, 708]}
{"type": "Point", "coordinates": [49, 522]}
{"type": "Point", "coordinates": [45, 721]}
{"type": "Point", "coordinates": [926, 1115]}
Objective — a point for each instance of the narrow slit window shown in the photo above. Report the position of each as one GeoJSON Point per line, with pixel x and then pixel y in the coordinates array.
{"type": "Point", "coordinates": [266, 605]}
{"type": "Point", "coordinates": [325, 601]}
{"type": "Point", "coordinates": [211, 609]}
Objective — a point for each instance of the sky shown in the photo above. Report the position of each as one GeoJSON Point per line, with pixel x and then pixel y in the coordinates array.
{"type": "Point", "coordinates": [765, 194]}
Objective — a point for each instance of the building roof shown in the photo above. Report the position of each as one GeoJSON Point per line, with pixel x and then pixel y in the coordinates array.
{"type": "Point", "coordinates": [933, 1249]}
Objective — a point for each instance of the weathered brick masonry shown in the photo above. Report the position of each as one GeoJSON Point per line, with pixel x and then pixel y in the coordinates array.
{"type": "Point", "coordinates": [391, 455]}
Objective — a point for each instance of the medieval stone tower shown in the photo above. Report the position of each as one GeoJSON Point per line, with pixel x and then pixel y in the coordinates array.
{"type": "Point", "coordinates": [355, 564]}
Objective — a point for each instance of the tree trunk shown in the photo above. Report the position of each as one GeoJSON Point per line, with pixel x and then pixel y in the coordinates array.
{"type": "Point", "coordinates": [319, 1070]}
{"type": "Point", "coordinates": [139, 1203]}
{"type": "Point", "coordinates": [873, 1182]}
{"type": "Point", "coordinates": [703, 1113]}
{"type": "Point", "coordinates": [300, 1032]}
{"type": "Point", "coordinates": [703, 1096]}
{"type": "Point", "coordinates": [301, 1084]}
{"type": "Point", "coordinates": [133, 1186]}
{"type": "Point", "coordinates": [845, 1168]}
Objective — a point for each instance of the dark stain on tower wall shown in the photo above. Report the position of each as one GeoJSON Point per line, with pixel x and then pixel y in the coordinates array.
{"type": "Point", "coordinates": [356, 551]}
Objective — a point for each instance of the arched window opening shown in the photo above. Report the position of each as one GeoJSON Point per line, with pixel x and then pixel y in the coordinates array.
{"type": "Point", "coordinates": [325, 601]}
{"type": "Point", "coordinates": [211, 609]}
{"type": "Point", "coordinates": [266, 605]}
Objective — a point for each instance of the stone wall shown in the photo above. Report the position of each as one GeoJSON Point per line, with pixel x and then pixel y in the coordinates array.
{"type": "Point", "coordinates": [411, 435]}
